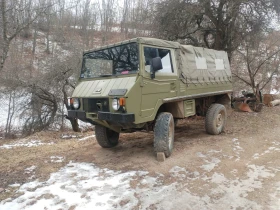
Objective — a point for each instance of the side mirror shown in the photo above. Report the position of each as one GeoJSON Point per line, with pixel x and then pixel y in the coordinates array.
{"type": "Point", "coordinates": [156, 65]}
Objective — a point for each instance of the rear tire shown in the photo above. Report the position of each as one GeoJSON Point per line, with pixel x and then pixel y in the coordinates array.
{"type": "Point", "coordinates": [106, 137]}
{"type": "Point", "coordinates": [164, 134]}
{"type": "Point", "coordinates": [215, 120]}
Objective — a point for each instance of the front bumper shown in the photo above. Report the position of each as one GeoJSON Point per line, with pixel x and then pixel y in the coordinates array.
{"type": "Point", "coordinates": [116, 117]}
{"type": "Point", "coordinates": [107, 116]}
{"type": "Point", "coordinates": [81, 115]}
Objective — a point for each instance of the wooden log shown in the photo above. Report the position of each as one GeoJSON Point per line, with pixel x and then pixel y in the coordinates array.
{"type": "Point", "coordinates": [160, 156]}
{"type": "Point", "coordinates": [267, 98]}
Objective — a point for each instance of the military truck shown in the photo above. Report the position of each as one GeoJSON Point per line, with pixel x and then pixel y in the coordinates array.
{"type": "Point", "coordinates": [147, 84]}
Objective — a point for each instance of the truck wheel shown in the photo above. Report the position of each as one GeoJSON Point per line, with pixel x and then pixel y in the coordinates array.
{"type": "Point", "coordinates": [176, 121]}
{"type": "Point", "coordinates": [105, 137]}
{"type": "Point", "coordinates": [215, 120]}
{"type": "Point", "coordinates": [164, 134]}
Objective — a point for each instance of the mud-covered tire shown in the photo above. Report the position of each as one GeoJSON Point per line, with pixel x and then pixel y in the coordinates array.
{"type": "Point", "coordinates": [105, 137]}
{"type": "Point", "coordinates": [176, 121]}
{"type": "Point", "coordinates": [215, 120]}
{"type": "Point", "coordinates": [164, 134]}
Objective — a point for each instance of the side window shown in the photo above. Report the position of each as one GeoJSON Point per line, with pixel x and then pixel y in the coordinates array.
{"type": "Point", "coordinates": [164, 54]}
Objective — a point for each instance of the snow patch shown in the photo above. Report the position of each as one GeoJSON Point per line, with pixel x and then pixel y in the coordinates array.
{"type": "Point", "coordinates": [236, 148]}
{"type": "Point", "coordinates": [30, 169]}
{"type": "Point", "coordinates": [199, 154]}
{"type": "Point", "coordinates": [23, 143]}
{"type": "Point", "coordinates": [233, 193]}
{"type": "Point", "coordinates": [56, 159]}
{"type": "Point", "coordinates": [181, 173]}
{"type": "Point", "coordinates": [218, 178]}
{"type": "Point", "coordinates": [86, 186]}
{"type": "Point", "coordinates": [275, 197]}
{"type": "Point", "coordinates": [86, 138]}
{"type": "Point", "coordinates": [210, 164]}
{"type": "Point", "coordinates": [274, 91]}
{"type": "Point", "coordinates": [66, 136]}
{"type": "Point", "coordinates": [14, 185]}
{"type": "Point", "coordinates": [274, 148]}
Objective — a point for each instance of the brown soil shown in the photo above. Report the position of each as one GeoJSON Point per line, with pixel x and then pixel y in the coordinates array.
{"type": "Point", "coordinates": [256, 133]}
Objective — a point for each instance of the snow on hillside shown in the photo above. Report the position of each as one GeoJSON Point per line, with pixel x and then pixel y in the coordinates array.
{"type": "Point", "coordinates": [41, 60]}
{"type": "Point", "coordinates": [19, 100]}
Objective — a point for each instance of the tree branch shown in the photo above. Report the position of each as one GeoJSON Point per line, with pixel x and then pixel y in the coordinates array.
{"type": "Point", "coordinates": [264, 61]}
{"type": "Point", "coordinates": [243, 80]}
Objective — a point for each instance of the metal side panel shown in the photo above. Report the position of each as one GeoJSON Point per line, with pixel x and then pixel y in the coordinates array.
{"type": "Point", "coordinates": [189, 107]}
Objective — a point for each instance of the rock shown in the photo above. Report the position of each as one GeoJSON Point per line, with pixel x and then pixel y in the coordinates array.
{"type": "Point", "coordinates": [160, 156]}
{"type": "Point", "coordinates": [2, 190]}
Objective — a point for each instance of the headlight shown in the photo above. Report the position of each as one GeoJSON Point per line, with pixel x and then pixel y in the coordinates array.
{"type": "Point", "coordinates": [76, 103]}
{"type": "Point", "coordinates": [115, 104]}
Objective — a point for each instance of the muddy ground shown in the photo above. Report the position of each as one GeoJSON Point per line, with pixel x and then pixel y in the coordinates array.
{"type": "Point", "coordinates": [238, 169]}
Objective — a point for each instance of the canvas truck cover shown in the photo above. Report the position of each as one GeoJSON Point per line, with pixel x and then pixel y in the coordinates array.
{"type": "Point", "coordinates": [196, 64]}
{"type": "Point", "coordinates": [201, 65]}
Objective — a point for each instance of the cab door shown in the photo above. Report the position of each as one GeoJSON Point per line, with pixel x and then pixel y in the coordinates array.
{"type": "Point", "coordinates": [165, 83]}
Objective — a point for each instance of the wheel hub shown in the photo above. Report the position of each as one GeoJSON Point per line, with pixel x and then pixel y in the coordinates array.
{"type": "Point", "coordinates": [219, 120]}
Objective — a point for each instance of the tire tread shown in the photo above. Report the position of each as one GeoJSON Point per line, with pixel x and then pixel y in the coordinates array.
{"type": "Point", "coordinates": [103, 139]}
{"type": "Point", "coordinates": [212, 111]}
{"type": "Point", "coordinates": [161, 143]}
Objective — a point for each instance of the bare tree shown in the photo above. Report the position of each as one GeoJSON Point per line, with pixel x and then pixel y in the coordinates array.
{"type": "Point", "coordinates": [11, 112]}
{"type": "Point", "coordinates": [217, 24]}
{"type": "Point", "coordinates": [106, 13]}
{"type": "Point", "coordinates": [257, 61]}
{"type": "Point", "coordinates": [48, 25]}
{"type": "Point", "coordinates": [40, 111]}
{"type": "Point", "coordinates": [46, 78]}
{"type": "Point", "coordinates": [13, 22]}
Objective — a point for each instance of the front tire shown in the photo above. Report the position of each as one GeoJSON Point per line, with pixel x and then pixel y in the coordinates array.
{"type": "Point", "coordinates": [106, 137]}
{"type": "Point", "coordinates": [176, 121]}
{"type": "Point", "coordinates": [215, 120]}
{"type": "Point", "coordinates": [164, 134]}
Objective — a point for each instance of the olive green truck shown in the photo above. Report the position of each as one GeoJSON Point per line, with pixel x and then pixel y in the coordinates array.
{"type": "Point", "coordinates": [148, 84]}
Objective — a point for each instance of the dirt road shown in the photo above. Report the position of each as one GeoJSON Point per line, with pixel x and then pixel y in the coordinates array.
{"type": "Point", "coordinates": [236, 170]}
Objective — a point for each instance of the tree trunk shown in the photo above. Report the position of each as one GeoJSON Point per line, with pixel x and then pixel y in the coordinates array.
{"type": "Point", "coordinates": [12, 113]}
{"type": "Point", "coordinates": [34, 40]}
{"type": "Point", "coordinates": [73, 121]}
{"type": "Point", "coordinates": [75, 124]}
{"type": "Point", "coordinates": [48, 42]}
{"type": "Point", "coordinates": [5, 50]}
{"type": "Point", "coordinates": [8, 117]}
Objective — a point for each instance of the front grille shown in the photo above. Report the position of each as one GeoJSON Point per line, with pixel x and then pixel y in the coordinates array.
{"type": "Point", "coordinates": [96, 104]}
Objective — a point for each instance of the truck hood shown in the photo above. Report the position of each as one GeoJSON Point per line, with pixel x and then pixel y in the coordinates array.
{"type": "Point", "coordinates": [102, 87]}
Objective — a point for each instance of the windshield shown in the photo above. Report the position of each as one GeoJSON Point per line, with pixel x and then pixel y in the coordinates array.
{"type": "Point", "coordinates": [118, 60]}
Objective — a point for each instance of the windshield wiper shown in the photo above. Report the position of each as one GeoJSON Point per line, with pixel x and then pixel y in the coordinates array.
{"type": "Point", "coordinates": [105, 75]}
